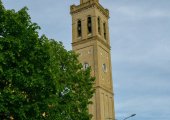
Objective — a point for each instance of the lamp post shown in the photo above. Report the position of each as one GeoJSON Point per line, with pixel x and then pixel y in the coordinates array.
{"type": "Point", "coordinates": [122, 119]}
{"type": "Point", "coordinates": [129, 116]}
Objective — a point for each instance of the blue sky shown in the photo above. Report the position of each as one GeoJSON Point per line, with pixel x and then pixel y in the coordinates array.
{"type": "Point", "coordinates": [140, 41]}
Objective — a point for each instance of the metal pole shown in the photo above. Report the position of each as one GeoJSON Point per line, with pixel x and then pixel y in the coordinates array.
{"type": "Point", "coordinates": [129, 116]}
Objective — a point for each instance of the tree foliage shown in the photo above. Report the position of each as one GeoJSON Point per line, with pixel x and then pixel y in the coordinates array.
{"type": "Point", "coordinates": [39, 79]}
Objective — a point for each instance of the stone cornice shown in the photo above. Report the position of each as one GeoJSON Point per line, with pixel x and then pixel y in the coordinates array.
{"type": "Point", "coordinates": [109, 91]}
{"type": "Point", "coordinates": [82, 41]}
{"type": "Point", "coordinates": [103, 42]}
{"type": "Point", "coordinates": [75, 9]}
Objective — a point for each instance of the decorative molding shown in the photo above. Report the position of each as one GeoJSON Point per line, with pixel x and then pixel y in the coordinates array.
{"type": "Point", "coordinates": [93, 38]}
{"type": "Point", "coordinates": [109, 91]}
{"type": "Point", "coordinates": [76, 9]}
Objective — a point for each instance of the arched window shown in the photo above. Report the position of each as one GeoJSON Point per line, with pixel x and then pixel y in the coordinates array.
{"type": "Point", "coordinates": [79, 30]}
{"type": "Point", "coordinates": [98, 21]}
{"type": "Point", "coordinates": [104, 68]}
{"type": "Point", "coordinates": [104, 30]}
{"type": "Point", "coordinates": [86, 65]}
{"type": "Point", "coordinates": [89, 25]}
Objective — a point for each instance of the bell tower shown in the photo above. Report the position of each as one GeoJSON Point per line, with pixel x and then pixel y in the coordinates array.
{"type": "Point", "coordinates": [90, 39]}
{"type": "Point", "coordinates": [84, 1]}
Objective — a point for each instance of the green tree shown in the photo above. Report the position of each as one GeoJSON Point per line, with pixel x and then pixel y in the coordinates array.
{"type": "Point", "coordinates": [39, 79]}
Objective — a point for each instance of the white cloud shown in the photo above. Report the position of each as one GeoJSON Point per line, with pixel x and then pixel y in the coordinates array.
{"type": "Point", "coordinates": [146, 103]}
{"type": "Point", "coordinates": [140, 49]}
{"type": "Point", "coordinates": [139, 12]}
{"type": "Point", "coordinates": [158, 13]}
{"type": "Point", "coordinates": [145, 106]}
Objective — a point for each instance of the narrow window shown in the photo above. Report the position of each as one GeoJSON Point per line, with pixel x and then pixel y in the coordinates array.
{"type": "Point", "coordinates": [104, 29]}
{"type": "Point", "coordinates": [104, 68]}
{"type": "Point", "coordinates": [79, 31]}
{"type": "Point", "coordinates": [99, 30]}
{"type": "Point", "coordinates": [89, 25]}
{"type": "Point", "coordinates": [85, 66]}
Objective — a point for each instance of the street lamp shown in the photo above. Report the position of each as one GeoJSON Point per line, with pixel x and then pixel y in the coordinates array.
{"type": "Point", "coordinates": [122, 119]}
{"type": "Point", "coordinates": [129, 116]}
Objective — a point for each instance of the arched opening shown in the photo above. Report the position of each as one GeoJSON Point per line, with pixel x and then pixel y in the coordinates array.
{"type": "Point", "coordinates": [85, 65]}
{"type": "Point", "coordinates": [104, 30]}
{"type": "Point", "coordinates": [98, 21]}
{"type": "Point", "coordinates": [104, 68]}
{"type": "Point", "coordinates": [89, 25]}
{"type": "Point", "coordinates": [79, 30]}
